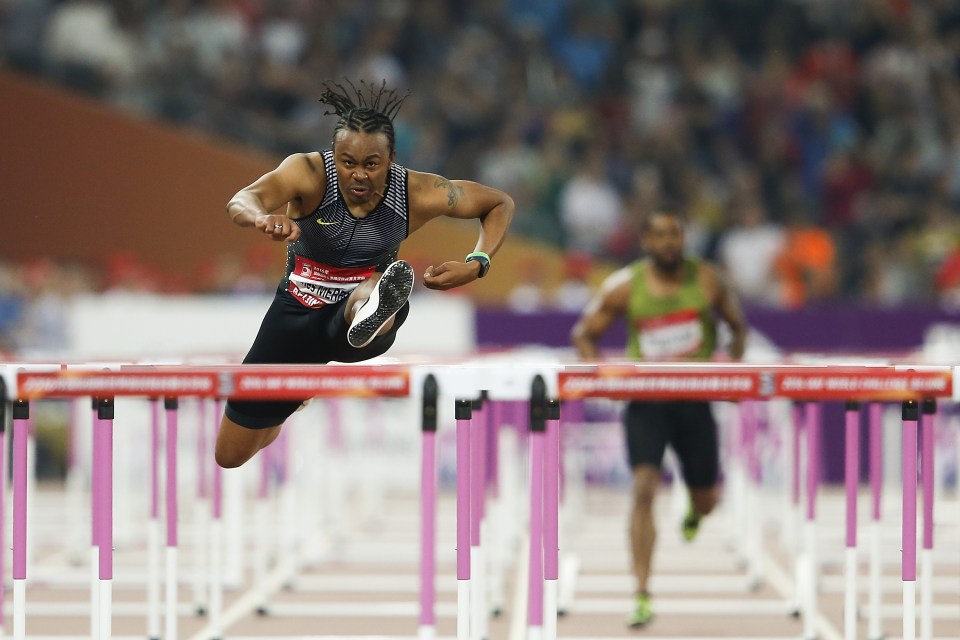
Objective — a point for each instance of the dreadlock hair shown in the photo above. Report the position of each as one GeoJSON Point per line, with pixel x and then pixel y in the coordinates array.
{"type": "Point", "coordinates": [365, 109]}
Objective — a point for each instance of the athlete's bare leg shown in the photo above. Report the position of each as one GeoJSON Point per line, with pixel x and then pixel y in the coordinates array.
{"type": "Point", "coordinates": [237, 444]}
{"type": "Point", "coordinates": [643, 532]}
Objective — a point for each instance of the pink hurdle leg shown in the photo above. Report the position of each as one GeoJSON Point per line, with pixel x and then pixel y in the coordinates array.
{"type": "Point", "coordinates": [852, 480]}
{"type": "Point", "coordinates": [94, 523]}
{"type": "Point", "coordinates": [535, 603]}
{"type": "Point", "coordinates": [170, 627]}
{"type": "Point", "coordinates": [103, 444]}
{"type": "Point", "coordinates": [911, 415]}
{"type": "Point", "coordinates": [21, 416]}
{"type": "Point", "coordinates": [463, 413]}
{"type": "Point", "coordinates": [551, 521]}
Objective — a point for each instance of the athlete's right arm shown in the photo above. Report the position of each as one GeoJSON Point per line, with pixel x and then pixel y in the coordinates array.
{"type": "Point", "coordinates": [606, 306]}
{"type": "Point", "coordinates": [297, 179]}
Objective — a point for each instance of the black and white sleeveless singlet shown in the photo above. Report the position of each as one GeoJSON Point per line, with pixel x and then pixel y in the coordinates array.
{"type": "Point", "coordinates": [337, 251]}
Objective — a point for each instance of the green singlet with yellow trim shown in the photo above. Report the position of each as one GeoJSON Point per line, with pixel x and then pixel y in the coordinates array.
{"type": "Point", "coordinates": [679, 326]}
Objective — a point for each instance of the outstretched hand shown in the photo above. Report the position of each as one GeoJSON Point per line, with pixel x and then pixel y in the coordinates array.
{"type": "Point", "coordinates": [278, 227]}
{"type": "Point", "coordinates": [450, 274]}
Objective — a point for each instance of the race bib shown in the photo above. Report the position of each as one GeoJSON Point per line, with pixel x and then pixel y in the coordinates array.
{"type": "Point", "coordinates": [315, 284]}
{"type": "Point", "coordinates": [676, 335]}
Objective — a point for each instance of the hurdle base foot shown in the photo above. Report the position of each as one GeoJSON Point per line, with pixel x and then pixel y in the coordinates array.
{"type": "Point", "coordinates": [200, 610]}
{"type": "Point", "coordinates": [262, 610]}
{"type": "Point", "coordinates": [794, 613]}
{"type": "Point", "coordinates": [561, 612]}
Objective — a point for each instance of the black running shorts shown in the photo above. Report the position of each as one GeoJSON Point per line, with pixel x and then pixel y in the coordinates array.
{"type": "Point", "coordinates": [688, 427]}
{"type": "Point", "coordinates": [294, 334]}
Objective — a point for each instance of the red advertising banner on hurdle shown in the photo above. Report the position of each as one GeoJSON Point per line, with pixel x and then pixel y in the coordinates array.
{"type": "Point", "coordinates": [247, 382]}
{"type": "Point", "coordinates": [653, 382]}
{"type": "Point", "coordinates": [867, 383]}
{"type": "Point", "coordinates": [103, 384]}
{"type": "Point", "coordinates": [329, 382]}
{"type": "Point", "coordinates": [636, 383]}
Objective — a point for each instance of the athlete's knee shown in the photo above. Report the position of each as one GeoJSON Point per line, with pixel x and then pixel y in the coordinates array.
{"type": "Point", "coordinates": [645, 488]}
{"type": "Point", "coordinates": [643, 497]}
{"type": "Point", "coordinates": [233, 457]}
{"type": "Point", "coordinates": [237, 444]}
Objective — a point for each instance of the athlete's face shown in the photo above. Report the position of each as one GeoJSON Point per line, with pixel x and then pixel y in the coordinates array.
{"type": "Point", "coordinates": [662, 240]}
{"type": "Point", "coordinates": [363, 163]}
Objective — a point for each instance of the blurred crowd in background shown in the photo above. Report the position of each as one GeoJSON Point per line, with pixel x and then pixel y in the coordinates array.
{"type": "Point", "coordinates": [814, 145]}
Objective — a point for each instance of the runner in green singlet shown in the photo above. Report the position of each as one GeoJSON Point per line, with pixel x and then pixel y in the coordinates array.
{"type": "Point", "coordinates": [671, 302]}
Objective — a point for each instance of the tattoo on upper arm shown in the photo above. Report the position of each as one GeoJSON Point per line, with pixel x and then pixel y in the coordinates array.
{"type": "Point", "coordinates": [453, 191]}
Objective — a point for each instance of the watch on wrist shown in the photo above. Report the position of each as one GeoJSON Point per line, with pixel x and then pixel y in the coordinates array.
{"type": "Point", "coordinates": [482, 258]}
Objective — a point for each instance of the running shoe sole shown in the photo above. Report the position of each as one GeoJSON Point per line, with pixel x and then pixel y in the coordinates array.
{"type": "Point", "coordinates": [387, 298]}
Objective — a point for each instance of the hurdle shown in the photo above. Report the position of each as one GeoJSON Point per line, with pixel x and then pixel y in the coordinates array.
{"type": "Point", "coordinates": [150, 381]}
{"type": "Point", "coordinates": [799, 383]}
{"type": "Point", "coordinates": [573, 382]}
{"type": "Point", "coordinates": [851, 482]}
{"type": "Point", "coordinates": [534, 383]}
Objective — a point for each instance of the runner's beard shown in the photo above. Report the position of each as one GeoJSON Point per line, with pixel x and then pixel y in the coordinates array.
{"type": "Point", "coordinates": [668, 265]}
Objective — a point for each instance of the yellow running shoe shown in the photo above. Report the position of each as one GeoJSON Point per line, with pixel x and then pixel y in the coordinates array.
{"type": "Point", "coordinates": [642, 612]}
{"type": "Point", "coordinates": [690, 525]}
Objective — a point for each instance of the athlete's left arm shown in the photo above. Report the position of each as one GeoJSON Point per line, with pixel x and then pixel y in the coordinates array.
{"type": "Point", "coordinates": [727, 306]}
{"type": "Point", "coordinates": [433, 196]}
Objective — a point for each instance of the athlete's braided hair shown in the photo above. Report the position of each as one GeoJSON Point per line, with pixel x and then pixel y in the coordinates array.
{"type": "Point", "coordinates": [365, 109]}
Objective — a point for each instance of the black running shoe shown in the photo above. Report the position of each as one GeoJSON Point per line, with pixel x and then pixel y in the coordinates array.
{"type": "Point", "coordinates": [387, 298]}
